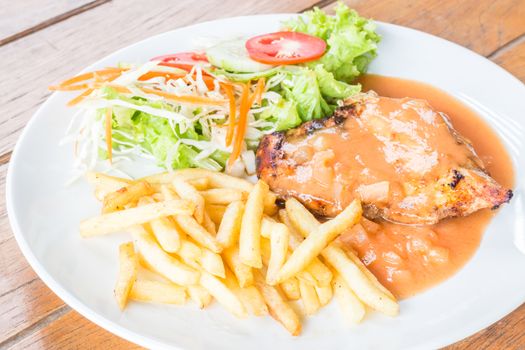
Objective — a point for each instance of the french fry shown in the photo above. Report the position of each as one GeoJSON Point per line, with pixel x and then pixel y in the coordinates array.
{"type": "Point", "coordinates": [249, 239]}
{"type": "Point", "coordinates": [223, 196]}
{"type": "Point", "coordinates": [320, 272]}
{"type": "Point", "coordinates": [359, 282]}
{"type": "Point", "coordinates": [215, 179]}
{"type": "Point", "coordinates": [302, 220]}
{"type": "Point", "coordinates": [363, 284]}
{"type": "Point", "coordinates": [317, 268]}
{"type": "Point", "coordinates": [167, 234]}
{"type": "Point", "coordinates": [200, 183]}
{"type": "Point", "coordinates": [160, 261]}
{"type": "Point", "coordinates": [105, 184]}
{"type": "Point", "coordinates": [191, 227]}
{"type": "Point", "coordinates": [119, 220]}
{"type": "Point", "coordinates": [157, 292]}
{"type": "Point", "coordinates": [190, 253]}
{"type": "Point", "coordinates": [295, 237]}
{"type": "Point", "coordinates": [216, 212]}
{"type": "Point", "coordinates": [290, 288]}
{"type": "Point", "coordinates": [243, 272]}
{"type": "Point", "coordinates": [200, 296]}
{"type": "Point", "coordinates": [212, 263]}
{"type": "Point", "coordinates": [353, 310]}
{"type": "Point", "coordinates": [318, 240]}
{"type": "Point", "coordinates": [324, 294]}
{"type": "Point", "coordinates": [187, 191]}
{"type": "Point", "coordinates": [279, 250]}
{"type": "Point", "coordinates": [208, 223]}
{"type": "Point", "coordinates": [249, 296]}
{"type": "Point", "coordinates": [266, 253]}
{"type": "Point", "coordinates": [230, 226]}
{"type": "Point", "coordinates": [278, 307]}
{"type": "Point", "coordinates": [123, 196]}
{"type": "Point", "coordinates": [128, 265]}
{"type": "Point", "coordinates": [309, 298]}
{"type": "Point", "coordinates": [223, 294]}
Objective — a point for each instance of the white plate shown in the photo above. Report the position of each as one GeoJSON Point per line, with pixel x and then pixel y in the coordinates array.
{"type": "Point", "coordinates": [44, 216]}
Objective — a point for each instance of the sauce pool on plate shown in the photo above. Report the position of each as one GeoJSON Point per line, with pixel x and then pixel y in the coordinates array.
{"type": "Point", "coordinates": [409, 259]}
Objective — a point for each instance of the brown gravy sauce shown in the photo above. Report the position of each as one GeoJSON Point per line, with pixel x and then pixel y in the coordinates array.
{"type": "Point", "coordinates": [410, 259]}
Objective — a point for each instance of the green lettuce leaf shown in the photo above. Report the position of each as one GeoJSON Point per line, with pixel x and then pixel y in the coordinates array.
{"type": "Point", "coordinates": [351, 40]}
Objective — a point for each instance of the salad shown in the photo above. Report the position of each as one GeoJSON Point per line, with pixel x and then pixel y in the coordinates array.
{"type": "Point", "coordinates": [210, 109]}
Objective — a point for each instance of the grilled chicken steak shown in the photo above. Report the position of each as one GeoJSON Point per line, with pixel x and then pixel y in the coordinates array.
{"type": "Point", "coordinates": [402, 158]}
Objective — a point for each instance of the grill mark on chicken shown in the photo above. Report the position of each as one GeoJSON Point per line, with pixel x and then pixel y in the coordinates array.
{"type": "Point", "coordinates": [457, 185]}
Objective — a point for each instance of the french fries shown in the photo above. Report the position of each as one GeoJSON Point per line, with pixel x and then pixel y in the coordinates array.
{"type": "Point", "coordinates": [249, 296]}
{"type": "Point", "coordinates": [230, 226]}
{"type": "Point", "coordinates": [160, 261]}
{"type": "Point", "coordinates": [353, 310]}
{"type": "Point", "coordinates": [157, 292]}
{"type": "Point", "coordinates": [364, 285]}
{"type": "Point", "coordinates": [119, 220]}
{"type": "Point", "coordinates": [204, 236]}
{"type": "Point", "coordinates": [187, 191]}
{"type": "Point", "coordinates": [324, 294]}
{"type": "Point", "coordinates": [320, 237]}
{"type": "Point", "coordinates": [223, 196]}
{"type": "Point", "coordinates": [128, 264]}
{"type": "Point", "coordinates": [290, 288]}
{"type": "Point", "coordinates": [123, 196]}
{"type": "Point", "coordinates": [242, 272]}
{"type": "Point", "coordinates": [200, 296]}
{"type": "Point", "coordinates": [249, 240]}
{"type": "Point", "coordinates": [167, 234]}
{"type": "Point", "coordinates": [191, 227]}
{"type": "Point", "coordinates": [223, 294]}
{"type": "Point", "coordinates": [277, 305]}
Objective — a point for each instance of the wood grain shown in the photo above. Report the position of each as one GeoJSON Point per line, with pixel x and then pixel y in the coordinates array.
{"type": "Point", "coordinates": [21, 18]}
{"type": "Point", "coordinates": [31, 316]}
{"type": "Point", "coordinates": [512, 58]}
{"type": "Point", "coordinates": [66, 47]}
{"type": "Point", "coordinates": [72, 331]}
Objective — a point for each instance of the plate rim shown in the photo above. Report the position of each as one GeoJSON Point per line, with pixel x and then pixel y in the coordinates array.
{"type": "Point", "coordinates": [148, 341]}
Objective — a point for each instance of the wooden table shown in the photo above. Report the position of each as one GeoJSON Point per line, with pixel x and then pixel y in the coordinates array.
{"type": "Point", "coordinates": [44, 41]}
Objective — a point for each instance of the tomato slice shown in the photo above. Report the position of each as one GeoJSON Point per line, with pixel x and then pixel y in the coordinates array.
{"type": "Point", "coordinates": [183, 60]}
{"type": "Point", "coordinates": [285, 48]}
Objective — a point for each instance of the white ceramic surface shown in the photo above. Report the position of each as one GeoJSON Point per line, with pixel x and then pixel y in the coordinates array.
{"type": "Point", "coordinates": [44, 215]}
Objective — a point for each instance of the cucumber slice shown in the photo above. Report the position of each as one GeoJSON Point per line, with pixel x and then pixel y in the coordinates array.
{"type": "Point", "coordinates": [232, 56]}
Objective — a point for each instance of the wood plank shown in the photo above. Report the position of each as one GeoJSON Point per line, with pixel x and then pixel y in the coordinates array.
{"type": "Point", "coordinates": [21, 18]}
{"type": "Point", "coordinates": [25, 306]}
{"type": "Point", "coordinates": [72, 331]}
{"type": "Point", "coordinates": [65, 48]}
{"type": "Point", "coordinates": [506, 334]}
{"type": "Point", "coordinates": [480, 25]}
{"type": "Point", "coordinates": [512, 58]}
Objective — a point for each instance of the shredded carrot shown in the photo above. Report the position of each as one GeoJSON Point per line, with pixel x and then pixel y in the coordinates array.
{"type": "Point", "coordinates": [90, 75]}
{"type": "Point", "coordinates": [257, 94]}
{"type": "Point", "coordinates": [79, 98]}
{"type": "Point", "coordinates": [155, 74]}
{"type": "Point", "coordinates": [68, 87]}
{"type": "Point", "coordinates": [109, 138]}
{"type": "Point", "coordinates": [199, 100]}
{"type": "Point", "coordinates": [241, 125]}
{"type": "Point", "coordinates": [231, 120]}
